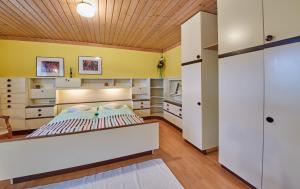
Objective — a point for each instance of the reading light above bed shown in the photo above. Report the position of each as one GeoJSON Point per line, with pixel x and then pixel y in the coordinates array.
{"type": "Point", "coordinates": [86, 9]}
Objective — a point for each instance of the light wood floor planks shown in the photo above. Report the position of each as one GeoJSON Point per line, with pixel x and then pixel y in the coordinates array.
{"type": "Point", "coordinates": [193, 169]}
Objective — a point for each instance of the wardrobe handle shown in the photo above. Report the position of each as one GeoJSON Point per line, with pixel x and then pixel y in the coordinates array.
{"type": "Point", "coordinates": [9, 106]}
{"type": "Point", "coordinates": [8, 96]}
{"type": "Point", "coordinates": [269, 38]}
{"type": "Point", "coordinates": [198, 56]}
{"type": "Point", "coordinates": [39, 115]}
{"type": "Point", "coordinates": [199, 103]}
{"type": "Point", "coordinates": [8, 90]}
{"type": "Point", "coordinates": [8, 85]}
{"type": "Point", "coordinates": [39, 110]}
{"type": "Point", "coordinates": [8, 101]}
{"type": "Point", "coordinates": [269, 119]}
{"type": "Point", "coordinates": [8, 80]}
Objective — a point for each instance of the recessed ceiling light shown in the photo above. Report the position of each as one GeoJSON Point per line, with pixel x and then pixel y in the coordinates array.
{"type": "Point", "coordinates": [86, 9]}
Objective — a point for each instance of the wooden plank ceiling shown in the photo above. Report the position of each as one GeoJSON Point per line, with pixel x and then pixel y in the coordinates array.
{"type": "Point", "coordinates": [136, 24]}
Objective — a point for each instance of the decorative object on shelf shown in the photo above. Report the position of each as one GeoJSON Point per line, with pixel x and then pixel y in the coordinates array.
{"type": "Point", "coordinates": [49, 66]}
{"type": "Point", "coordinates": [37, 86]}
{"type": "Point", "coordinates": [71, 72]}
{"type": "Point", "coordinates": [90, 65]}
{"type": "Point", "coordinates": [161, 66]}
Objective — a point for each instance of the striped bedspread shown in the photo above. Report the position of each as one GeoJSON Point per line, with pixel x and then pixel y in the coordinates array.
{"type": "Point", "coordinates": [86, 124]}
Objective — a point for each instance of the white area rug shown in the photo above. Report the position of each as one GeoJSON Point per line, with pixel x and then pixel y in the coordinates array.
{"type": "Point", "coordinates": [153, 174]}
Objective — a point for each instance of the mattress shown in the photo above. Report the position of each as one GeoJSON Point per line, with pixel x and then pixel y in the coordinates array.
{"type": "Point", "coordinates": [94, 119]}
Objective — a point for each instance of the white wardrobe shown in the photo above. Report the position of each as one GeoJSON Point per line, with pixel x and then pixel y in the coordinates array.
{"type": "Point", "coordinates": [259, 91]}
{"type": "Point", "coordinates": [200, 81]}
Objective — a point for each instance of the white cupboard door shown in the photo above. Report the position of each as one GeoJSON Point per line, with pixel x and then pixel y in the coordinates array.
{"type": "Point", "coordinates": [191, 39]}
{"type": "Point", "coordinates": [241, 115]}
{"type": "Point", "coordinates": [191, 97]}
{"type": "Point", "coordinates": [281, 137]}
{"type": "Point", "coordinates": [240, 24]}
{"type": "Point", "coordinates": [281, 19]}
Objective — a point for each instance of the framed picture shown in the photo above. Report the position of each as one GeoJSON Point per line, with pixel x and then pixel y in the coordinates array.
{"type": "Point", "coordinates": [90, 65]}
{"type": "Point", "coordinates": [49, 67]}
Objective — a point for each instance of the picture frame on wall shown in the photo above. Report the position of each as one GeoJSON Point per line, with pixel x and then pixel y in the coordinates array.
{"type": "Point", "coordinates": [91, 65]}
{"type": "Point", "coordinates": [49, 66]}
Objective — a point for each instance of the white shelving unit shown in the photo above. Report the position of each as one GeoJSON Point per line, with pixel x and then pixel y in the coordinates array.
{"type": "Point", "coordinates": [157, 97]}
{"type": "Point", "coordinates": [42, 91]}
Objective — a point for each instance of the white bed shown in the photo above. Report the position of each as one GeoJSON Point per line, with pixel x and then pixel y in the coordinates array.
{"type": "Point", "coordinates": [23, 159]}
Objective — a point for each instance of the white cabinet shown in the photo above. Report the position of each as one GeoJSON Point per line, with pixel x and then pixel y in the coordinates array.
{"type": "Point", "coordinates": [13, 101]}
{"type": "Point", "coordinates": [191, 104]}
{"type": "Point", "coordinates": [240, 24]}
{"type": "Point", "coordinates": [141, 104]}
{"type": "Point", "coordinates": [281, 18]}
{"type": "Point", "coordinates": [42, 93]}
{"type": "Point", "coordinates": [68, 82]}
{"type": "Point", "coordinates": [39, 112]}
{"type": "Point", "coordinates": [191, 39]}
{"type": "Point", "coordinates": [282, 104]}
{"type": "Point", "coordinates": [241, 115]}
{"type": "Point", "coordinates": [199, 82]}
{"type": "Point", "coordinates": [140, 90]}
{"type": "Point", "coordinates": [173, 113]}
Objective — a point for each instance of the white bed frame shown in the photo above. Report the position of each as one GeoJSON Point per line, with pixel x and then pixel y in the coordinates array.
{"type": "Point", "coordinates": [29, 157]}
{"type": "Point", "coordinates": [26, 157]}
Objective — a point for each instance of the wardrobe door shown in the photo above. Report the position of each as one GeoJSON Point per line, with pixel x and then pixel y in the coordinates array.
{"type": "Point", "coordinates": [240, 24]}
{"type": "Point", "coordinates": [281, 19]}
{"type": "Point", "coordinates": [191, 104]}
{"type": "Point", "coordinates": [191, 39]}
{"type": "Point", "coordinates": [281, 163]}
{"type": "Point", "coordinates": [241, 115]}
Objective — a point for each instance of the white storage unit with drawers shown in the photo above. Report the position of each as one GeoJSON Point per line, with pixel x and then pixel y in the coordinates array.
{"type": "Point", "coordinates": [38, 116]}
{"type": "Point", "coordinates": [173, 113]}
{"type": "Point", "coordinates": [13, 101]}
{"type": "Point", "coordinates": [68, 82]}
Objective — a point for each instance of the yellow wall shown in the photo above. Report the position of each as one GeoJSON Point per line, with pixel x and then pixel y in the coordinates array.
{"type": "Point", "coordinates": [18, 58]}
{"type": "Point", "coordinates": [173, 62]}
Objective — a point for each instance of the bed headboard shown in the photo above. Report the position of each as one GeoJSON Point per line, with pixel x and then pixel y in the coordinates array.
{"type": "Point", "coordinates": [92, 97]}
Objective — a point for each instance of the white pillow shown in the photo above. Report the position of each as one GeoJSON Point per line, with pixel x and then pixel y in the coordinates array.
{"type": "Point", "coordinates": [113, 106]}
{"type": "Point", "coordinates": [78, 108]}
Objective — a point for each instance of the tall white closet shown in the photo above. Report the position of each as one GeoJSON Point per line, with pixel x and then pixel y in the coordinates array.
{"type": "Point", "coordinates": [200, 81]}
{"type": "Point", "coordinates": [259, 91]}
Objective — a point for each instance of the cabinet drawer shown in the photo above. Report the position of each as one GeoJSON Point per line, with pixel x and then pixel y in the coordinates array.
{"type": "Point", "coordinates": [42, 93]}
{"type": "Point", "coordinates": [141, 104]}
{"type": "Point", "coordinates": [16, 98]}
{"type": "Point", "coordinates": [68, 82]}
{"type": "Point", "coordinates": [173, 119]}
{"type": "Point", "coordinates": [16, 124]}
{"type": "Point", "coordinates": [139, 90]}
{"type": "Point", "coordinates": [177, 110]}
{"type": "Point", "coordinates": [39, 112]}
{"type": "Point", "coordinates": [14, 112]}
{"type": "Point", "coordinates": [12, 81]}
{"type": "Point", "coordinates": [37, 123]}
{"type": "Point", "coordinates": [9, 90]}
{"type": "Point", "coordinates": [142, 113]}
{"type": "Point", "coordinates": [6, 106]}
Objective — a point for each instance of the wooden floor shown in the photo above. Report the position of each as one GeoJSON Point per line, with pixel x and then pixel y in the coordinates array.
{"type": "Point", "coordinates": [193, 169]}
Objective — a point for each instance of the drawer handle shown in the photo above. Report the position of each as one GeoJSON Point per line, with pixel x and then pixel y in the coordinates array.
{"type": "Point", "coordinates": [8, 106]}
{"type": "Point", "coordinates": [199, 103]}
{"type": "Point", "coordinates": [168, 109]}
{"type": "Point", "coordinates": [167, 104]}
{"type": "Point", "coordinates": [8, 80]}
{"type": "Point", "coordinates": [8, 101]}
{"type": "Point", "coordinates": [142, 107]}
{"type": "Point", "coordinates": [8, 85]}
{"type": "Point", "coordinates": [269, 38]}
{"type": "Point", "coordinates": [39, 115]}
{"type": "Point", "coordinates": [8, 96]}
{"type": "Point", "coordinates": [180, 109]}
{"type": "Point", "coordinates": [142, 102]}
{"type": "Point", "coordinates": [39, 110]}
{"type": "Point", "coordinates": [198, 56]}
{"type": "Point", "coordinates": [8, 90]}
{"type": "Point", "coordinates": [269, 119]}
{"type": "Point", "coordinates": [42, 91]}
{"type": "Point", "coordinates": [180, 115]}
